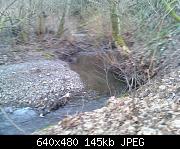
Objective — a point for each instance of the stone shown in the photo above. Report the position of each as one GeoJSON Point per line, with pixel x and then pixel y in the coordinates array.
{"type": "Point", "coordinates": [67, 132]}
{"type": "Point", "coordinates": [162, 87]}
{"type": "Point", "coordinates": [44, 82]}
{"type": "Point", "coordinates": [147, 131]}
{"type": "Point", "coordinates": [41, 115]}
{"type": "Point", "coordinates": [175, 124]}
{"type": "Point", "coordinates": [8, 109]}
{"type": "Point", "coordinates": [88, 126]}
{"type": "Point", "coordinates": [131, 129]}
{"type": "Point", "coordinates": [98, 131]}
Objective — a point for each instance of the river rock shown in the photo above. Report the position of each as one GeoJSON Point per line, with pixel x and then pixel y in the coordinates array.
{"type": "Point", "coordinates": [23, 114]}
{"type": "Point", "coordinates": [176, 124]}
{"type": "Point", "coordinates": [147, 131]}
{"type": "Point", "coordinates": [8, 109]}
{"type": "Point", "coordinates": [162, 87]}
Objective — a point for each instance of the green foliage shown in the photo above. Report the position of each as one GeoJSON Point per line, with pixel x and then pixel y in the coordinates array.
{"type": "Point", "coordinates": [171, 10]}
{"type": "Point", "coordinates": [48, 55]}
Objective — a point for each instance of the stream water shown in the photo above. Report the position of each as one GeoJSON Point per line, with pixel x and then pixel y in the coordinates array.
{"type": "Point", "coordinates": [92, 73]}
{"type": "Point", "coordinates": [28, 120]}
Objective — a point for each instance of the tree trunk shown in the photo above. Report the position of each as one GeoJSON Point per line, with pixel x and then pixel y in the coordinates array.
{"type": "Point", "coordinates": [115, 21]}
{"type": "Point", "coordinates": [61, 28]}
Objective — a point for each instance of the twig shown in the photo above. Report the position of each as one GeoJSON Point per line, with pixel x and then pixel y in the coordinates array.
{"type": "Point", "coordinates": [2, 13]}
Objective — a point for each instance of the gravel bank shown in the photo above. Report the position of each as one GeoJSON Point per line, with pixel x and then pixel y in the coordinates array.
{"type": "Point", "coordinates": [37, 83]}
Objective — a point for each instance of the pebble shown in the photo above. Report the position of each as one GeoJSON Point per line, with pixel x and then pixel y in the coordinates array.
{"type": "Point", "coordinates": [147, 131]}
{"type": "Point", "coordinates": [131, 129]}
{"type": "Point", "coordinates": [88, 126]}
{"type": "Point", "coordinates": [8, 109]}
{"type": "Point", "coordinates": [175, 124]}
{"type": "Point", "coordinates": [162, 87]}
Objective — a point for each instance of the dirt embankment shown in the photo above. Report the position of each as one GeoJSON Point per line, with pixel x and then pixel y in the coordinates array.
{"type": "Point", "coordinates": [154, 109]}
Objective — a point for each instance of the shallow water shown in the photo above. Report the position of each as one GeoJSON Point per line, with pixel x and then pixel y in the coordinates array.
{"type": "Point", "coordinates": [28, 119]}
{"type": "Point", "coordinates": [93, 73]}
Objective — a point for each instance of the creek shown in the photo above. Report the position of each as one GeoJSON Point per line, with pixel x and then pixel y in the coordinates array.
{"type": "Point", "coordinates": [92, 73]}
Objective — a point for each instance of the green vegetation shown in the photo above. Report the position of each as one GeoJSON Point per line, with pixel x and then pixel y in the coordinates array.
{"type": "Point", "coordinates": [48, 55]}
{"type": "Point", "coordinates": [171, 10]}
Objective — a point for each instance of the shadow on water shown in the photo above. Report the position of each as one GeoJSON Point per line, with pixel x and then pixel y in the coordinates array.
{"type": "Point", "coordinates": [94, 74]}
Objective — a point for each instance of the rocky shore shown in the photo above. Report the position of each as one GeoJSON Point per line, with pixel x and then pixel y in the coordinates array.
{"type": "Point", "coordinates": [37, 84]}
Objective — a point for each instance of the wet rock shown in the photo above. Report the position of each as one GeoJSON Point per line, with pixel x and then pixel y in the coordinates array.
{"type": "Point", "coordinates": [8, 109]}
{"type": "Point", "coordinates": [5, 58]}
{"type": "Point", "coordinates": [1, 62]}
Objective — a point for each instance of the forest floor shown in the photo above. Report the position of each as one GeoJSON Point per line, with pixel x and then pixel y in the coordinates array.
{"type": "Point", "coordinates": [152, 109]}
